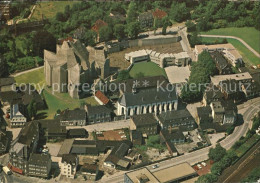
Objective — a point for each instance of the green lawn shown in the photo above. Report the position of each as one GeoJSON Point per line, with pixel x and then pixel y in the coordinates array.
{"type": "Point", "coordinates": [54, 102]}
{"type": "Point", "coordinates": [248, 57]}
{"type": "Point", "coordinates": [248, 34]}
{"type": "Point", "coordinates": [35, 77]}
{"type": "Point", "coordinates": [148, 69]}
{"type": "Point", "coordinates": [62, 101]}
{"type": "Point", "coordinates": [49, 9]}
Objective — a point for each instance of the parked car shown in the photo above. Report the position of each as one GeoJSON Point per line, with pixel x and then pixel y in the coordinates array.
{"type": "Point", "coordinates": [204, 164]}
{"type": "Point", "coordinates": [199, 166]}
{"type": "Point", "coordinates": [7, 170]}
{"type": "Point", "coordinates": [155, 166]}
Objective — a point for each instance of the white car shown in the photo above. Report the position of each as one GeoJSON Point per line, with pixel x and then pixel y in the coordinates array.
{"type": "Point", "coordinates": [199, 166]}
{"type": "Point", "coordinates": [155, 166]}
{"type": "Point", "coordinates": [204, 164]}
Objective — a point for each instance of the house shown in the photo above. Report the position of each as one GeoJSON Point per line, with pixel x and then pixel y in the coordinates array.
{"type": "Point", "coordinates": [174, 136]}
{"type": "Point", "coordinates": [221, 63]}
{"type": "Point", "coordinates": [117, 157]}
{"type": "Point", "coordinates": [68, 165]}
{"type": "Point", "coordinates": [22, 147]}
{"type": "Point", "coordinates": [218, 112]}
{"type": "Point", "coordinates": [101, 98]}
{"type": "Point", "coordinates": [146, 19]}
{"type": "Point", "coordinates": [76, 117]}
{"type": "Point", "coordinates": [97, 114]}
{"type": "Point", "coordinates": [232, 90]}
{"type": "Point", "coordinates": [240, 77]}
{"type": "Point", "coordinates": [229, 52]}
{"type": "Point", "coordinates": [231, 110]}
{"type": "Point", "coordinates": [204, 115]}
{"type": "Point", "coordinates": [77, 133]}
{"type": "Point", "coordinates": [52, 129]}
{"type": "Point", "coordinates": [18, 116]}
{"type": "Point", "coordinates": [39, 165]}
{"type": "Point", "coordinates": [171, 148]}
{"type": "Point", "coordinates": [89, 171]}
{"type": "Point", "coordinates": [212, 94]}
{"type": "Point", "coordinates": [136, 137]}
{"type": "Point", "coordinates": [145, 123]}
{"type": "Point", "coordinates": [4, 141]}
{"type": "Point", "coordinates": [171, 119]}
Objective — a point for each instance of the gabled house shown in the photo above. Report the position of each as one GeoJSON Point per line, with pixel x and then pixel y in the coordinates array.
{"type": "Point", "coordinates": [221, 63]}
{"type": "Point", "coordinates": [101, 98]}
{"type": "Point", "coordinates": [18, 115]}
{"type": "Point", "coordinates": [212, 94]}
{"type": "Point", "coordinates": [89, 172]}
{"type": "Point", "coordinates": [76, 117]}
{"type": "Point", "coordinates": [98, 114]}
{"type": "Point", "coordinates": [68, 165]}
{"type": "Point", "coordinates": [145, 123]}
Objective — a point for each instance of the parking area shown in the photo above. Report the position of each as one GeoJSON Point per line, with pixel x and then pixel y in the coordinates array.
{"type": "Point", "coordinates": [203, 168]}
{"type": "Point", "coordinates": [215, 137]}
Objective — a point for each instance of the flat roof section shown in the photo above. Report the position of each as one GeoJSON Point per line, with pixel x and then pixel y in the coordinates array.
{"type": "Point", "coordinates": [140, 175]}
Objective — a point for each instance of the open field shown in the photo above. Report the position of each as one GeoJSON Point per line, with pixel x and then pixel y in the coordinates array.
{"type": "Point", "coordinates": [148, 69]}
{"type": "Point", "coordinates": [117, 60]}
{"type": "Point", "coordinates": [62, 101]}
{"type": "Point", "coordinates": [35, 77]}
{"type": "Point", "coordinates": [49, 9]}
{"type": "Point", "coordinates": [248, 57]}
{"type": "Point", "coordinates": [249, 34]}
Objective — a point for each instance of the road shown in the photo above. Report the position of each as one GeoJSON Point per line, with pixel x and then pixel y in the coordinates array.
{"type": "Point", "coordinates": [237, 38]}
{"type": "Point", "coordinates": [248, 110]}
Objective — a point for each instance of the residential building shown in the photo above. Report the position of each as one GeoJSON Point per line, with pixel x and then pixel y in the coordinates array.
{"type": "Point", "coordinates": [22, 147]}
{"type": "Point", "coordinates": [4, 141]}
{"type": "Point", "coordinates": [101, 98]}
{"type": "Point", "coordinates": [5, 10]}
{"type": "Point", "coordinates": [52, 129]}
{"type": "Point", "coordinates": [182, 172]}
{"type": "Point", "coordinates": [146, 19]}
{"type": "Point", "coordinates": [136, 137]}
{"type": "Point", "coordinates": [204, 115]}
{"type": "Point", "coordinates": [212, 94]}
{"type": "Point", "coordinates": [68, 165]}
{"type": "Point", "coordinates": [221, 63]}
{"type": "Point", "coordinates": [218, 112]}
{"type": "Point", "coordinates": [174, 136]}
{"type": "Point", "coordinates": [97, 114]}
{"type": "Point", "coordinates": [18, 116]}
{"type": "Point", "coordinates": [89, 171]}
{"type": "Point", "coordinates": [145, 123]}
{"type": "Point", "coordinates": [39, 165]}
{"type": "Point", "coordinates": [229, 52]}
{"type": "Point", "coordinates": [76, 117]}
{"type": "Point", "coordinates": [77, 133]}
{"type": "Point", "coordinates": [240, 77]}
{"type": "Point", "coordinates": [172, 119]}
{"type": "Point", "coordinates": [232, 90]}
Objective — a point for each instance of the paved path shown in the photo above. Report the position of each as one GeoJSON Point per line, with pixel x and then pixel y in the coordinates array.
{"type": "Point", "coordinates": [237, 38]}
{"type": "Point", "coordinates": [202, 154]}
{"type": "Point", "coordinates": [27, 71]}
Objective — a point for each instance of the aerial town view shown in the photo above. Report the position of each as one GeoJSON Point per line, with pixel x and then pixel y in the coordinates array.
{"type": "Point", "coordinates": [130, 91]}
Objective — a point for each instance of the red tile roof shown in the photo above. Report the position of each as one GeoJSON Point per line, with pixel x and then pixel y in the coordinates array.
{"type": "Point", "coordinates": [102, 97]}
{"type": "Point", "coordinates": [99, 23]}
{"type": "Point", "coordinates": [159, 13]}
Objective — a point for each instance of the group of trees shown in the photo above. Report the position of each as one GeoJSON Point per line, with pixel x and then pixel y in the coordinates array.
{"type": "Point", "coordinates": [222, 159]}
{"type": "Point", "coordinates": [200, 75]}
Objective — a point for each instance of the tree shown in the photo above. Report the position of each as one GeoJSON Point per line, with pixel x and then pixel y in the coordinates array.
{"type": "Point", "coordinates": [60, 17]}
{"type": "Point", "coordinates": [43, 40]}
{"type": "Point", "coordinates": [194, 39]}
{"type": "Point", "coordinates": [131, 12]}
{"type": "Point", "coordinates": [139, 75]}
{"type": "Point", "coordinates": [119, 31]}
{"type": "Point", "coordinates": [179, 12]}
{"type": "Point", "coordinates": [123, 75]}
{"type": "Point", "coordinates": [190, 26]}
{"type": "Point", "coordinates": [133, 29]}
{"type": "Point", "coordinates": [208, 178]}
{"type": "Point", "coordinates": [217, 168]}
{"type": "Point", "coordinates": [32, 109]}
{"type": "Point", "coordinates": [105, 33]}
{"type": "Point", "coordinates": [256, 15]}
{"type": "Point", "coordinates": [217, 153]}
{"type": "Point", "coordinates": [89, 38]}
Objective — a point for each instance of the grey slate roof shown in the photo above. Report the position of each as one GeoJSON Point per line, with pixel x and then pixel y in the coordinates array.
{"type": "Point", "coordinates": [175, 116]}
{"type": "Point", "coordinates": [69, 158]}
{"type": "Point", "coordinates": [144, 119]}
{"type": "Point", "coordinates": [92, 110]}
{"type": "Point", "coordinates": [39, 159]}
{"type": "Point", "coordinates": [76, 114]}
{"type": "Point", "coordinates": [147, 96]}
